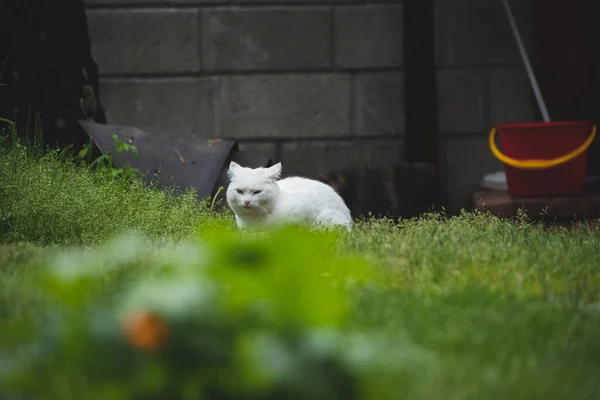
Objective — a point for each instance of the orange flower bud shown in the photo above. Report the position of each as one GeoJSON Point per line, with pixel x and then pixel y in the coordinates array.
{"type": "Point", "coordinates": [145, 330]}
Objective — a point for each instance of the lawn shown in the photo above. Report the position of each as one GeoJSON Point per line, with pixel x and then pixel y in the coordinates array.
{"type": "Point", "coordinates": [113, 290]}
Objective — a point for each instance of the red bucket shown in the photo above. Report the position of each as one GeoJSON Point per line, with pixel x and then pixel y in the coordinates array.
{"type": "Point", "coordinates": [544, 158]}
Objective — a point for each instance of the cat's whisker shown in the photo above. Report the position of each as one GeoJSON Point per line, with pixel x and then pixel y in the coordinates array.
{"type": "Point", "coordinates": [263, 208]}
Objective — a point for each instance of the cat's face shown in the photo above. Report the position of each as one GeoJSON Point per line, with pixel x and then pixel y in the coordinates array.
{"type": "Point", "coordinates": [252, 191]}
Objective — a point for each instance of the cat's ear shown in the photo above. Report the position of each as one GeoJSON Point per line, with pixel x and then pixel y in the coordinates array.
{"type": "Point", "coordinates": [233, 169]}
{"type": "Point", "coordinates": [274, 172]}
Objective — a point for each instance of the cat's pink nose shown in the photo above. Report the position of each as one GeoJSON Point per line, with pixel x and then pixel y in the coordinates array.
{"type": "Point", "coordinates": [247, 202]}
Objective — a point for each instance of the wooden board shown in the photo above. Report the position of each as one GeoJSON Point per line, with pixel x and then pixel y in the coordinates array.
{"type": "Point", "coordinates": [504, 205]}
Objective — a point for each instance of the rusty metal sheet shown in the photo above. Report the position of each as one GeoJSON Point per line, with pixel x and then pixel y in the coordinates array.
{"type": "Point", "coordinates": [179, 162]}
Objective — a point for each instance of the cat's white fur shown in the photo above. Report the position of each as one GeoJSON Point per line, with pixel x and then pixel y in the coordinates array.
{"type": "Point", "coordinates": [259, 197]}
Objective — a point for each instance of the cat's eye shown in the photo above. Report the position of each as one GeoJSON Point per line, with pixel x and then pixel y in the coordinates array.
{"type": "Point", "coordinates": [257, 191]}
{"type": "Point", "coordinates": [240, 191]}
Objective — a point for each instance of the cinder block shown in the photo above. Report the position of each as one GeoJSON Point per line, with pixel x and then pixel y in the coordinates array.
{"type": "Point", "coordinates": [122, 3]}
{"type": "Point", "coordinates": [182, 106]}
{"type": "Point", "coordinates": [316, 158]}
{"type": "Point", "coordinates": [117, 2]}
{"type": "Point", "coordinates": [369, 36]}
{"type": "Point", "coordinates": [461, 101]}
{"type": "Point", "coordinates": [144, 41]}
{"type": "Point", "coordinates": [259, 149]}
{"type": "Point", "coordinates": [475, 32]}
{"type": "Point", "coordinates": [315, 2]}
{"type": "Point", "coordinates": [267, 38]}
{"type": "Point", "coordinates": [466, 161]}
{"type": "Point", "coordinates": [273, 106]}
{"type": "Point", "coordinates": [511, 99]}
{"type": "Point", "coordinates": [379, 104]}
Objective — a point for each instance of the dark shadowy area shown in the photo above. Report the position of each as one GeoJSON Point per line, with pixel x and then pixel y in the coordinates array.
{"type": "Point", "coordinates": [48, 70]}
{"type": "Point", "coordinates": [568, 62]}
{"type": "Point", "coordinates": [401, 191]}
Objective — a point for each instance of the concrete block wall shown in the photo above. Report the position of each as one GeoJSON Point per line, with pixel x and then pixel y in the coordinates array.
{"type": "Point", "coordinates": [318, 84]}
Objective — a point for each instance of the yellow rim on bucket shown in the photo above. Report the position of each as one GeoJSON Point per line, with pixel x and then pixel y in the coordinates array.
{"type": "Point", "coordinates": [538, 164]}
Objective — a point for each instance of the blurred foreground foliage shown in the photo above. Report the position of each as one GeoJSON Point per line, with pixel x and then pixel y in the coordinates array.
{"type": "Point", "coordinates": [226, 317]}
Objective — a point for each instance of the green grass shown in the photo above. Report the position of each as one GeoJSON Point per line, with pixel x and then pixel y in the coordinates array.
{"type": "Point", "coordinates": [506, 309]}
{"type": "Point", "coordinates": [467, 307]}
{"type": "Point", "coordinates": [52, 200]}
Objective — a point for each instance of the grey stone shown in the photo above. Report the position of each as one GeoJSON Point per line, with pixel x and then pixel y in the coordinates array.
{"type": "Point", "coordinates": [475, 32]}
{"type": "Point", "coordinates": [461, 101]}
{"type": "Point", "coordinates": [315, 158]}
{"type": "Point", "coordinates": [312, 2]}
{"type": "Point", "coordinates": [134, 3]}
{"type": "Point", "coordinates": [144, 41]}
{"type": "Point", "coordinates": [379, 2]}
{"type": "Point", "coordinates": [511, 99]}
{"type": "Point", "coordinates": [379, 104]}
{"type": "Point", "coordinates": [183, 106]}
{"type": "Point", "coordinates": [271, 106]}
{"type": "Point", "coordinates": [122, 3]}
{"type": "Point", "coordinates": [267, 38]}
{"type": "Point", "coordinates": [117, 2]}
{"type": "Point", "coordinates": [369, 36]}
{"type": "Point", "coordinates": [259, 149]}
{"type": "Point", "coordinates": [467, 160]}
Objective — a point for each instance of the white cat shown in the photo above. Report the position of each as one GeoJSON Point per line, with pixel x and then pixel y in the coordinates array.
{"type": "Point", "coordinates": [259, 197]}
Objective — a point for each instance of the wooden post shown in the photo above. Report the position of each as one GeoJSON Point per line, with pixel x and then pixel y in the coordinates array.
{"type": "Point", "coordinates": [420, 88]}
